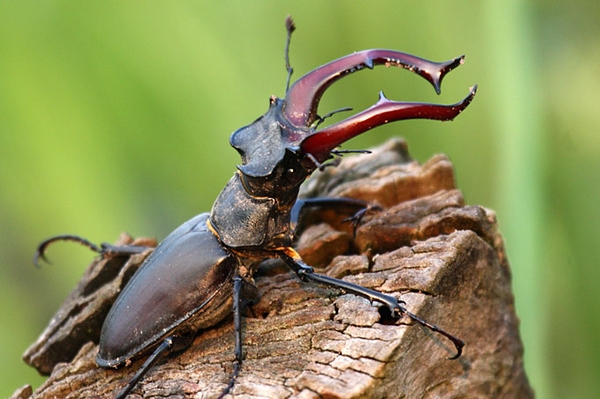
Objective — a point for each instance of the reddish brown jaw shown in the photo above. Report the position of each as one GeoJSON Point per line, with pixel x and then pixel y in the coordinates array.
{"type": "Point", "coordinates": [321, 143]}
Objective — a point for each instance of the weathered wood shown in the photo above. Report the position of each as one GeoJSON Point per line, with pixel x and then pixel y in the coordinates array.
{"type": "Point", "coordinates": [444, 259]}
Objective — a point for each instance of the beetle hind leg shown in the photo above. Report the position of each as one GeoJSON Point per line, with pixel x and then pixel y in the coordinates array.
{"type": "Point", "coordinates": [152, 359]}
{"type": "Point", "coordinates": [103, 249]}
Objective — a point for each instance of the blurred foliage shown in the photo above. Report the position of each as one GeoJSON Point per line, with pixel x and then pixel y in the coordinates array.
{"type": "Point", "coordinates": [116, 116]}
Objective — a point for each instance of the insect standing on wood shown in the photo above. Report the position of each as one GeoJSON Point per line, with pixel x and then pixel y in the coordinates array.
{"type": "Point", "coordinates": [202, 271]}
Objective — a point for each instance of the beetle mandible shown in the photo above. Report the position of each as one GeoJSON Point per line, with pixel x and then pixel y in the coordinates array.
{"type": "Point", "coordinates": [195, 277]}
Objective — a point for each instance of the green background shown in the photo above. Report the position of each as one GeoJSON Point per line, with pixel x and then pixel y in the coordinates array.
{"type": "Point", "coordinates": [115, 116]}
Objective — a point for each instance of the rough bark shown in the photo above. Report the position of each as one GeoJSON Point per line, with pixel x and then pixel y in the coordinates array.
{"type": "Point", "coordinates": [445, 259]}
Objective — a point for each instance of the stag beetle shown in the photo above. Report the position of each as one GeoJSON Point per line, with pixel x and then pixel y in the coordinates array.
{"type": "Point", "coordinates": [198, 274]}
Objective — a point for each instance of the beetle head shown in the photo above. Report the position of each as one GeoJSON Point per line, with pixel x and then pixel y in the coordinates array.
{"type": "Point", "coordinates": [269, 151]}
{"type": "Point", "coordinates": [282, 147]}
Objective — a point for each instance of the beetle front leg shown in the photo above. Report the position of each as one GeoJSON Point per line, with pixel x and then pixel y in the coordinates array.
{"type": "Point", "coordinates": [306, 273]}
{"type": "Point", "coordinates": [359, 207]}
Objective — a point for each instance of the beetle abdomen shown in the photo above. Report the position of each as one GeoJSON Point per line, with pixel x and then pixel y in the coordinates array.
{"type": "Point", "coordinates": [188, 276]}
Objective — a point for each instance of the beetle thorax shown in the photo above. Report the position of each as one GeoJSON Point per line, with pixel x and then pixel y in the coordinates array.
{"type": "Point", "coordinates": [253, 210]}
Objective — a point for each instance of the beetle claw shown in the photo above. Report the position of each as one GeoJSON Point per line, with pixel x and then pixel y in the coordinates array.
{"type": "Point", "coordinates": [458, 343]}
{"type": "Point", "coordinates": [359, 215]}
{"type": "Point", "coordinates": [40, 255]}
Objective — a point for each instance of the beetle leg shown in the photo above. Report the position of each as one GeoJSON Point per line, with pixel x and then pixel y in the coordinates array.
{"type": "Point", "coordinates": [152, 359]}
{"type": "Point", "coordinates": [103, 249]}
{"type": "Point", "coordinates": [306, 273]}
{"type": "Point", "coordinates": [237, 322]}
{"type": "Point", "coordinates": [361, 208]}
{"type": "Point", "coordinates": [358, 216]}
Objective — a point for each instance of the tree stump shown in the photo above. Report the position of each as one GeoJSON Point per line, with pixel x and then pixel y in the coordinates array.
{"type": "Point", "coordinates": [444, 259]}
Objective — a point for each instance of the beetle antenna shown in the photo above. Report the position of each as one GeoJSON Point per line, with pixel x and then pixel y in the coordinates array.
{"type": "Point", "coordinates": [290, 27]}
{"type": "Point", "coordinates": [342, 152]}
{"type": "Point", "coordinates": [321, 119]}
{"type": "Point", "coordinates": [322, 165]}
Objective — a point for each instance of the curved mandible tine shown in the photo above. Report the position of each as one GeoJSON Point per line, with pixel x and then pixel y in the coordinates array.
{"type": "Point", "coordinates": [302, 99]}
{"type": "Point", "coordinates": [321, 143]}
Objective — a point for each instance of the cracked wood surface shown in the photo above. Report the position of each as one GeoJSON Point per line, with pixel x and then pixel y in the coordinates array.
{"type": "Point", "coordinates": [444, 259]}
